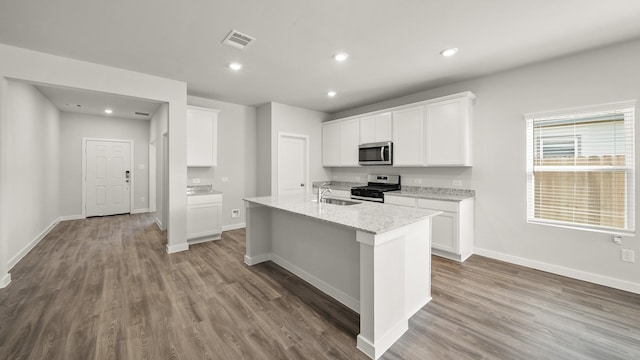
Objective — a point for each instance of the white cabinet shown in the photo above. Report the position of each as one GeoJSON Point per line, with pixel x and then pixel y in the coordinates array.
{"type": "Point", "coordinates": [408, 137]}
{"type": "Point", "coordinates": [340, 143]}
{"type": "Point", "coordinates": [375, 128]}
{"type": "Point", "coordinates": [448, 132]}
{"type": "Point", "coordinates": [204, 217]}
{"type": "Point", "coordinates": [451, 231]}
{"type": "Point", "coordinates": [202, 137]}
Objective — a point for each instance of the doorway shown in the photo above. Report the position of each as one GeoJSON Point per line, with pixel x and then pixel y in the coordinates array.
{"type": "Point", "coordinates": [293, 164]}
{"type": "Point", "coordinates": [107, 177]}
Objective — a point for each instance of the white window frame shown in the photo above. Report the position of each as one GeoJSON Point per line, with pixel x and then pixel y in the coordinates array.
{"type": "Point", "coordinates": [629, 167]}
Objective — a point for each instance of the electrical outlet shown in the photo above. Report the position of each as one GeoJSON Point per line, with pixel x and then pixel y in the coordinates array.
{"type": "Point", "coordinates": [195, 181]}
{"type": "Point", "coordinates": [235, 213]}
{"type": "Point", "coordinates": [628, 255]}
{"type": "Point", "coordinates": [224, 179]}
{"type": "Point", "coordinates": [417, 181]}
{"type": "Point", "coordinates": [617, 239]}
{"type": "Point", "coordinates": [457, 182]}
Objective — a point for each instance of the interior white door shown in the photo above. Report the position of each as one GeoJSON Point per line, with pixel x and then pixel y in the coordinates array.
{"type": "Point", "coordinates": [108, 177]}
{"type": "Point", "coordinates": [292, 164]}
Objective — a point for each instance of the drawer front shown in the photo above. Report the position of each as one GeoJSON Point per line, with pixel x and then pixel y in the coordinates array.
{"type": "Point", "coordinates": [399, 200]}
{"type": "Point", "coordinates": [204, 199]}
{"type": "Point", "coordinates": [450, 206]}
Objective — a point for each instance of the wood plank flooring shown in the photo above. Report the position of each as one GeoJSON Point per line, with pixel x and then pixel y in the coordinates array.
{"type": "Point", "coordinates": [105, 288]}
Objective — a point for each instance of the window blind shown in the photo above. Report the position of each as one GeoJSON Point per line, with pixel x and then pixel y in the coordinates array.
{"type": "Point", "coordinates": [580, 167]}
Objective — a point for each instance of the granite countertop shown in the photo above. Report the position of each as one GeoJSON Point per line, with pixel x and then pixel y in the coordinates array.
{"type": "Point", "coordinates": [366, 216]}
{"type": "Point", "coordinates": [337, 185]}
{"type": "Point", "coordinates": [201, 190]}
{"type": "Point", "coordinates": [434, 193]}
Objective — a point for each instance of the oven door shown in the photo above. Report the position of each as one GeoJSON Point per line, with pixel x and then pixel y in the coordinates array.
{"type": "Point", "coordinates": [376, 153]}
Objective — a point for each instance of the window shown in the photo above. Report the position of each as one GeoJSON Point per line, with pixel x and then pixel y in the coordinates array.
{"type": "Point", "coordinates": [580, 168]}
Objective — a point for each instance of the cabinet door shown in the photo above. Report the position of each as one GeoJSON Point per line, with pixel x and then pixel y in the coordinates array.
{"type": "Point", "coordinates": [444, 233]}
{"type": "Point", "coordinates": [202, 144]}
{"type": "Point", "coordinates": [408, 137]}
{"type": "Point", "coordinates": [383, 127]}
{"type": "Point", "coordinates": [447, 133]}
{"type": "Point", "coordinates": [349, 139]}
{"type": "Point", "coordinates": [367, 129]}
{"type": "Point", "coordinates": [203, 220]}
{"type": "Point", "coordinates": [375, 128]}
{"type": "Point", "coordinates": [331, 144]}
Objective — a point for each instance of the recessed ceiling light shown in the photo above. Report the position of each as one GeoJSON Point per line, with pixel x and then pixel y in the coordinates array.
{"type": "Point", "coordinates": [331, 93]}
{"type": "Point", "coordinates": [449, 52]}
{"type": "Point", "coordinates": [340, 57]}
{"type": "Point", "coordinates": [235, 66]}
{"type": "Point", "coordinates": [108, 111]}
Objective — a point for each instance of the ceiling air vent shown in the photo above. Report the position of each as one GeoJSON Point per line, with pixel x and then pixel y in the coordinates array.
{"type": "Point", "coordinates": [238, 40]}
{"type": "Point", "coordinates": [141, 113]}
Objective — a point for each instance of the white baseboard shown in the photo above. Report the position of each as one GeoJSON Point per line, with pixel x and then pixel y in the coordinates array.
{"type": "Point", "coordinates": [71, 217]}
{"type": "Point", "coordinates": [22, 253]}
{"type": "Point", "coordinates": [384, 342]}
{"type": "Point", "coordinates": [177, 248]}
{"type": "Point", "coordinates": [561, 270]}
{"type": "Point", "coordinates": [256, 259]}
{"type": "Point", "coordinates": [342, 297]}
{"type": "Point", "coordinates": [159, 223]}
{"type": "Point", "coordinates": [6, 279]}
{"type": "Point", "coordinates": [139, 211]}
{"type": "Point", "coordinates": [233, 226]}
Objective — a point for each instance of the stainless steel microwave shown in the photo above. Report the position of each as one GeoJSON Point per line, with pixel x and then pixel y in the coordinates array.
{"type": "Point", "coordinates": [380, 153]}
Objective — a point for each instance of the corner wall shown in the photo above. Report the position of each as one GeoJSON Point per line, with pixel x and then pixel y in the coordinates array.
{"type": "Point", "coordinates": [32, 158]}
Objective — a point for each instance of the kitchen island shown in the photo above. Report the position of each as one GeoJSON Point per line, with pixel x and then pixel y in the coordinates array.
{"type": "Point", "coordinates": [374, 258]}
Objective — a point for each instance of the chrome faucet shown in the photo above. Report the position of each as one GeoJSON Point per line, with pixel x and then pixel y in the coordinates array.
{"type": "Point", "coordinates": [322, 192]}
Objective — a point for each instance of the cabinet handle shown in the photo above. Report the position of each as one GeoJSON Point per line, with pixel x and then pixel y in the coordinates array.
{"type": "Point", "coordinates": [382, 152]}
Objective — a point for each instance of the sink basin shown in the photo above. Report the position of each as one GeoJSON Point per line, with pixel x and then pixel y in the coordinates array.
{"type": "Point", "coordinates": [340, 202]}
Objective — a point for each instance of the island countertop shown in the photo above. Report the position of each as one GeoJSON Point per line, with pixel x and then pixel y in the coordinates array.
{"type": "Point", "coordinates": [365, 216]}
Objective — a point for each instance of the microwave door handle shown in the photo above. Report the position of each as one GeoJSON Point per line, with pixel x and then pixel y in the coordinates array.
{"type": "Point", "coordinates": [382, 152]}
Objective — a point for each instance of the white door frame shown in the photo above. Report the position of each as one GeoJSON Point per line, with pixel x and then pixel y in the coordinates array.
{"type": "Point", "coordinates": [306, 150]}
{"type": "Point", "coordinates": [84, 173]}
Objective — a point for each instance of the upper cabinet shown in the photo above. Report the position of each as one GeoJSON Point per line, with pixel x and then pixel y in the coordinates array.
{"type": "Point", "coordinates": [202, 137]}
{"type": "Point", "coordinates": [375, 128]}
{"type": "Point", "coordinates": [340, 143]}
{"type": "Point", "coordinates": [448, 132]}
{"type": "Point", "coordinates": [408, 137]}
{"type": "Point", "coordinates": [434, 132]}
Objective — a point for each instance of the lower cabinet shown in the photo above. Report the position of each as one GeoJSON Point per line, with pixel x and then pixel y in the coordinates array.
{"type": "Point", "coordinates": [452, 231]}
{"type": "Point", "coordinates": [203, 218]}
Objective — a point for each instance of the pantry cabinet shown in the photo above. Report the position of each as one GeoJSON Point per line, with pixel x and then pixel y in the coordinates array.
{"type": "Point", "coordinates": [202, 137]}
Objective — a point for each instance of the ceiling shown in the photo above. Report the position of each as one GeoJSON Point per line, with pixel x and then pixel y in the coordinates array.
{"type": "Point", "coordinates": [393, 45]}
{"type": "Point", "coordinates": [91, 102]}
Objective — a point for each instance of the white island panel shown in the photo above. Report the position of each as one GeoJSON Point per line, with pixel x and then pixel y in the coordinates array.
{"type": "Point", "coordinates": [374, 258]}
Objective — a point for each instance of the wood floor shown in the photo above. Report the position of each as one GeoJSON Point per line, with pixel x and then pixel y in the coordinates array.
{"type": "Point", "coordinates": [105, 288]}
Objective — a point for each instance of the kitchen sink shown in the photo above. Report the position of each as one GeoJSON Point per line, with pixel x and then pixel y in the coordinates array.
{"type": "Point", "coordinates": [340, 202]}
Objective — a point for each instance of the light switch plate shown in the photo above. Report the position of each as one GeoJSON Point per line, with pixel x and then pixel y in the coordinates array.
{"type": "Point", "coordinates": [195, 181]}
{"type": "Point", "coordinates": [457, 182]}
{"type": "Point", "coordinates": [224, 179]}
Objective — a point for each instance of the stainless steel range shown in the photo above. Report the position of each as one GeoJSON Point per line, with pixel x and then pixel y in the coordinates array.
{"type": "Point", "coordinates": [376, 186]}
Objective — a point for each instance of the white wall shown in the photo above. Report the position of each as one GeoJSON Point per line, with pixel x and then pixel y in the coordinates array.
{"type": "Point", "coordinates": [295, 120]}
{"type": "Point", "coordinates": [263, 156]}
{"type": "Point", "coordinates": [74, 127]}
{"type": "Point", "coordinates": [499, 171]}
{"type": "Point", "coordinates": [157, 127]}
{"type": "Point", "coordinates": [32, 157]}
{"type": "Point", "coordinates": [237, 150]}
{"type": "Point", "coordinates": [37, 67]}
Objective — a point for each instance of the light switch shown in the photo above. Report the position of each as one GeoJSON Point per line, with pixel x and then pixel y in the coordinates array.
{"type": "Point", "coordinates": [141, 166]}
{"type": "Point", "coordinates": [224, 179]}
